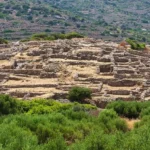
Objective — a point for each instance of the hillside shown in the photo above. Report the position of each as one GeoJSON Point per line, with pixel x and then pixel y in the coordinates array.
{"type": "Point", "coordinates": [111, 20]}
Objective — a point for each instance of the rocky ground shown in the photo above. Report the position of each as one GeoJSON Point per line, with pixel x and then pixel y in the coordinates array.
{"type": "Point", "coordinates": [49, 69]}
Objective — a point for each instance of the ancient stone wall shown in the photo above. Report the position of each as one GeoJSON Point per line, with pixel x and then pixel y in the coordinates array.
{"type": "Point", "coordinates": [50, 69]}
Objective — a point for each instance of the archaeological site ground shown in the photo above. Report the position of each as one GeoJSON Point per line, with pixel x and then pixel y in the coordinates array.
{"type": "Point", "coordinates": [108, 82]}
{"type": "Point", "coordinates": [48, 69]}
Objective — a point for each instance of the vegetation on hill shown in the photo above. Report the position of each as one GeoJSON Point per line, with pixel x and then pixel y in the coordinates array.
{"type": "Point", "coordinates": [131, 109]}
{"type": "Point", "coordinates": [79, 94]}
{"type": "Point", "coordinates": [112, 20]}
{"type": "Point", "coordinates": [49, 125]}
{"type": "Point", "coordinates": [136, 45]}
{"type": "Point", "coordinates": [3, 41]}
{"type": "Point", "coordinates": [54, 36]}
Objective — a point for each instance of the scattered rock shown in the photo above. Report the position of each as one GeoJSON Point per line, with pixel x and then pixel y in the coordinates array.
{"type": "Point", "coordinates": [52, 68]}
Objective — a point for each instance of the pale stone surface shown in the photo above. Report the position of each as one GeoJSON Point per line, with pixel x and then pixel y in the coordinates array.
{"type": "Point", "coordinates": [49, 69]}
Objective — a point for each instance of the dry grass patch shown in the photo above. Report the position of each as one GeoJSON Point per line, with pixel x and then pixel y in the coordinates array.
{"type": "Point", "coordinates": [131, 122]}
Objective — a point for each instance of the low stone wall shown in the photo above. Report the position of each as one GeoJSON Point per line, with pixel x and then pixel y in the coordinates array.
{"type": "Point", "coordinates": [48, 75]}
{"type": "Point", "coordinates": [4, 46]}
{"type": "Point", "coordinates": [3, 75]}
{"type": "Point", "coordinates": [60, 96]}
{"type": "Point", "coordinates": [106, 68]}
{"type": "Point", "coordinates": [31, 86]}
{"type": "Point", "coordinates": [36, 53]}
{"type": "Point", "coordinates": [119, 59]}
{"type": "Point", "coordinates": [5, 56]}
{"type": "Point", "coordinates": [101, 104]}
{"type": "Point", "coordinates": [122, 83]}
{"type": "Point", "coordinates": [18, 71]}
{"type": "Point", "coordinates": [119, 92]}
{"type": "Point", "coordinates": [103, 59]}
{"type": "Point", "coordinates": [28, 72]}
{"type": "Point", "coordinates": [125, 71]}
{"type": "Point", "coordinates": [22, 94]}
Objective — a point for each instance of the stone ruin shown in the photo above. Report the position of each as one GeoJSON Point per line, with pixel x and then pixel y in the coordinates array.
{"type": "Point", "coordinates": [49, 69]}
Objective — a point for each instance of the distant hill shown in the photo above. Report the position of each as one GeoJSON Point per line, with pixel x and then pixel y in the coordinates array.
{"type": "Point", "coordinates": [108, 19]}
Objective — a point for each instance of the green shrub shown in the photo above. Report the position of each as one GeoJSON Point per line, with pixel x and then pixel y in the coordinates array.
{"type": "Point", "coordinates": [56, 144]}
{"type": "Point", "coordinates": [8, 105]}
{"type": "Point", "coordinates": [39, 36]}
{"type": "Point", "coordinates": [79, 94]}
{"type": "Point", "coordinates": [131, 111]}
{"type": "Point", "coordinates": [106, 115]}
{"type": "Point", "coordinates": [118, 106]}
{"type": "Point", "coordinates": [73, 35]}
{"type": "Point", "coordinates": [54, 36]}
{"type": "Point", "coordinates": [95, 142]}
{"type": "Point", "coordinates": [145, 112]}
{"type": "Point", "coordinates": [110, 121]}
{"type": "Point", "coordinates": [44, 133]}
{"type": "Point", "coordinates": [136, 45]}
{"type": "Point", "coordinates": [76, 115]}
{"type": "Point", "coordinates": [49, 125]}
{"type": "Point", "coordinates": [126, 109]}
{"type": "Point", "coordinates": [3, 41]}
{"type": "Point", "coordinates": [16, 138]}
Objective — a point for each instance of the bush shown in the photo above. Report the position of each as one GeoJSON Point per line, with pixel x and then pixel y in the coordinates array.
{"type": "Point", "coordinates": [110, 121]}
{"type": "Point", "coordinates": [79, 94]}
{"type": "Point", "coordinates": [39, 36]}
{"type": "Point", "coordinates": [16, 138]}
{"type": "Point", "coordinates": [8, 105]}
{"type": "Point", "coordinates": [106, 115]}
{"type": "Point", "coordinates": [44, 133]}
{"type": "Point", "coordinates": [73, 35]}
{"type": "Point", "coordinates": [145, 112]}
{"type": "Point", "coordinates": [126, 109]}
{"type": "Point", "coordinates": [3, 41]}
{"type": "Point", "coordinates": [50, 125]}
{"type": "Point", "coordinates": [136, 45]}
{"type": "Point", "coordinates": [57, 144]}
{"type": "Point", "coordinates": [54, 36]}
{"type": "Point", "coordinates": [118, 106]}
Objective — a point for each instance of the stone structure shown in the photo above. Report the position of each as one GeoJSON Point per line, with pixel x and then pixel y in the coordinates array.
{"type": "Point", "coordinates": [50, 69]}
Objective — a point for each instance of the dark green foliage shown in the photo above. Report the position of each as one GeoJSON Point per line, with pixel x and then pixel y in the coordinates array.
{"type": "Point", "coordinates": [57, 144]}
{"type": "Point", "coordinates": [145, 112]}
{"type": "Point", "coordinates": [3, 41]}
{"type": "Point", "coordinates": [79, 94]}
{"type": "Point", "coordinates": [73, 35]}
{"type": "Point", "coordinates": [70, 15]}
{"type": "Point", "coordinates": [8, 31]}
{"type": "Point", "coordinates": [136, 45]}
{"type": "Point", "coordinates": [49, 125]}
{"type": "Point", "coordinates": [2, 15]}
{"type": "Point", "coordinates": [131, 109]}
{"type": "Point", "coordinates": [8, 105]}
{"type": "Point", "coordinates": [16, 138]}
{"type": "Point", "coordinates": [39, 36]}
{"type": "Point", "coordinates": [111, 122]}
{"type": "Point", "coordinates": [127, 109]}
{"type": "Point", "coordinates": [47, 30]}
{"type": "Point", "coordinates": [54, 130]}
{"type": "Point", "coordinates": [54, 36]}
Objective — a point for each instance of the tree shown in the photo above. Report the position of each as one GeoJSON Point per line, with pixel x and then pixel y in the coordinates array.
{"type": "Point", "coordinates": [79, 94]}
{"type": "Point", "coordinates": [3, 41]}
{"type": "Point", "coordinates": [8, 105]}
{"type": "Point", "coordinates": [136, 45]}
